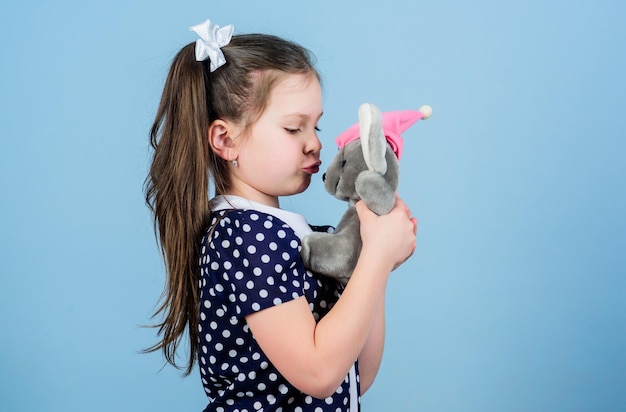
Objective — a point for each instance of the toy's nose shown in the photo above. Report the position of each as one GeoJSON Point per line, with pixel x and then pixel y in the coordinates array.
{"type": "Point", "coordinates": [324, 177]}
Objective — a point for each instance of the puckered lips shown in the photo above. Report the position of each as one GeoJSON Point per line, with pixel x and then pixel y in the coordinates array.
{"type": "Point", "coordinates": [312, 168]}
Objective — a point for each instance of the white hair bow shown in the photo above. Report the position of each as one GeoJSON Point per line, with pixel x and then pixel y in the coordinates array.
{"type": "Point", "coordinates": [212, 38]}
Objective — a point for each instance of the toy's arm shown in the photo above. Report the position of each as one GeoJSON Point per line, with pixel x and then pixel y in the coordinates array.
{"type": "Point", "coordinates": [375, 191]}
{"type": "Point", "coordinates": [335, 254]}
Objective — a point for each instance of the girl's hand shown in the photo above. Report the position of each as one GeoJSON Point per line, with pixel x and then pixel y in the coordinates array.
{"type": "Point", "coordinates": [391, 236]}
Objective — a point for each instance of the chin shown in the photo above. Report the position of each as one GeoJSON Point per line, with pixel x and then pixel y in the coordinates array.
{"type": "Point", "coordinates": [304, 186]}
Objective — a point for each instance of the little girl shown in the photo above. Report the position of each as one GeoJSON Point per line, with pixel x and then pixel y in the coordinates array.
{"type": "Point", "coordinates": [267, 334]}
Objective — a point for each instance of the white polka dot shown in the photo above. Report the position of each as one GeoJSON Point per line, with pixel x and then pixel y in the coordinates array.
{"type": "Point", "coordinates": [283, 389]}
{"type": "Point", "coordinates": [254, 216]}
{"type": "Point", "coordinates": [277, 301]}
{"type": "Point", "coordinates": [225, 243]}
{"type": "Point", "coordinates": [208, 337]}
{"type": "Point", "coordinates": [267, 224]}
{"type": "Point", "coordinates": [256, 307]}
{"type": "Point", "coordinates": [263, 293]}
{"type": "Point", "coordinates": [213, 325]}
{"type": "Point", "coordinates": [257, 271]}
{"type": "Point", "coordinates": [239, 275]}
{"type": "Point", "coordinates": [219, 347]}
{"type": "Point", "coordinates": [239, 240]}
{"type": "Point", "coordinates": [285, 256]}
{"type": "Point", "coordinates": [252, 375]}
{"type": "Point", "coordinates": [226, 333]}
{"type": "Point", "coordinates": [278, 268]}
{"type": "Point", "coordinates": [294, 244]}
{"type": "Point", "coordinates": [215, 265]}
{"type": "Point", "coordinates": [250, 284]}
{"type": "Point", "coordinates": [265, 259]}
{"type": "Point", "coordinates": [246, 227]}
{"type": "Point", "coordinates": [273, 246]}
{"type": "Point", "coordinates": [281, 234]}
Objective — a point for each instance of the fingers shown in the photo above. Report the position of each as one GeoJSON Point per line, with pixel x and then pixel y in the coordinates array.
{"type": "Point", "coordinates": [362, 210]}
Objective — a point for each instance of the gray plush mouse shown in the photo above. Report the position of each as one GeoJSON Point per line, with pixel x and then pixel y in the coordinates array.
{"type": "Point", "coordinates": [366, 167]}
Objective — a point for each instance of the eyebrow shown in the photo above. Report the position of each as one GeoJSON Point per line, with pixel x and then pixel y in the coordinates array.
{"type": "Point", "coordinates": [302, 115]}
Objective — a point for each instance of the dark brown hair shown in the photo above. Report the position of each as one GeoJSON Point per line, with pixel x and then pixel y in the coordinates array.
{"type": "Point", "coordinates": [177, 186]}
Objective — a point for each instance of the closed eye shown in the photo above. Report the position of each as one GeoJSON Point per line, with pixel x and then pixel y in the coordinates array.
{"type": "Point", "coordinates": [292, 131]}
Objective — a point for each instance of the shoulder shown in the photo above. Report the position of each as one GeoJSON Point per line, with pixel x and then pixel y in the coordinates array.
{"type": "Point", "coordinates": [244, 226]}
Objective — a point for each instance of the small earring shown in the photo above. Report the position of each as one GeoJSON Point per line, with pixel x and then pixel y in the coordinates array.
{"type": "Point", "coordinates": [235, 164]}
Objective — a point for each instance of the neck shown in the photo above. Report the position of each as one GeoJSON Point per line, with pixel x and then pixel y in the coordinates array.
{"type": "Point", "coordinates": [257, 197]}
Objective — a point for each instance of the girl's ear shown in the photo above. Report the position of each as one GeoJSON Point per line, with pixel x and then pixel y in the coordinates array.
{"type": "Point", "coordinates": [222, 135]}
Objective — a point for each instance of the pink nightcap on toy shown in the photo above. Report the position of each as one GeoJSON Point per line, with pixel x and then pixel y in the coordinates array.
{"type": "Point", "coordinates": [394, 123]}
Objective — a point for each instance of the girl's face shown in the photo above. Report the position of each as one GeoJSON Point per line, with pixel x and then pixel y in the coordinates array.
{"type": "Point", "coordinates": [281, 151]}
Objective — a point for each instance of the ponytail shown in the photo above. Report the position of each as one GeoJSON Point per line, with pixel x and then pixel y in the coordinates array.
{"type": "Point", "coordinates": [177, 192]}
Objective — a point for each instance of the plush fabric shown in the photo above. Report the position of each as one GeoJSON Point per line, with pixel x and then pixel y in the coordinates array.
{"type": "Point", "coordinates": [365, 168]}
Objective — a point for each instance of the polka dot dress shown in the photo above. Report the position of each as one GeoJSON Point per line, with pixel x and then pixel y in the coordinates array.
{"type": "Point", "coordinates": [250, 261]}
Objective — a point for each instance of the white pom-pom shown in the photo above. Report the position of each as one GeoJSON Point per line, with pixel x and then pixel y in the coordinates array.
{"type": "Point", "coordinates": [426, 110]}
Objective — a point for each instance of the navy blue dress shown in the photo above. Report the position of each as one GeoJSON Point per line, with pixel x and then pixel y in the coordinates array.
{"type": "Point", "coordinates": [250, 261]}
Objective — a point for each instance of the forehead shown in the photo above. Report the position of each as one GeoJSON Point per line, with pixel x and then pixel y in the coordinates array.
{"type": "Point", "coordinates": [298, 92]}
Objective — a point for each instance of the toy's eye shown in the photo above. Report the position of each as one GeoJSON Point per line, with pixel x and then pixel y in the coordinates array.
{"type": "Point", "coordinates": [343, 163]}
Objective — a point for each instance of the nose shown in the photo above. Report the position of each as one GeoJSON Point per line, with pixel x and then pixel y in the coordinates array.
{"type": "Point", "coordinates": [313, 145]}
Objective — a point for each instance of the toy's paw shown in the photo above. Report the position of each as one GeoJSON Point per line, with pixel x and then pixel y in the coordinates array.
{"type": "Point", "coordinates": [375, 191]}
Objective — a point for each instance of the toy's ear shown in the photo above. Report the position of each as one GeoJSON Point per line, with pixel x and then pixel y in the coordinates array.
{"type": "Point", "coordinates": [373, 140]}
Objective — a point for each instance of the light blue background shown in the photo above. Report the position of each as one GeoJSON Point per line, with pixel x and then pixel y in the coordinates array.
{"type": "Point", "coordinates": [516, 297]}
